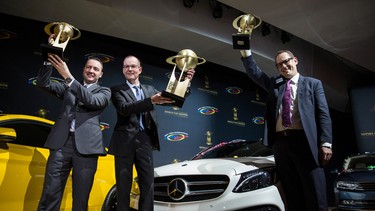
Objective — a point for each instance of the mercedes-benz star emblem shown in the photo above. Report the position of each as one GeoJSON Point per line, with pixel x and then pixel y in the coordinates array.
{"type": "Point", "coordinates": [177, 189]}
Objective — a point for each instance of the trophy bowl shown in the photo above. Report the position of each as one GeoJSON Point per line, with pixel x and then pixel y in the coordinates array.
{"type": "Point", "coordinates": [244, 25]}
{"type": "Point", "coordinates": [185, 60]}
{"type": "Point", "coordinates": [67, 31]}
{"type": "Point", "coordinates": [177, 86]}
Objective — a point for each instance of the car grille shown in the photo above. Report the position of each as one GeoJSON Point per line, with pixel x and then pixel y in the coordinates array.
{"type": "Point", "coordinates": [187, 188]}
{"type": "Point", "coordinates": [369, 186]}
{"type": "Point", "coordinates": [261, 208]}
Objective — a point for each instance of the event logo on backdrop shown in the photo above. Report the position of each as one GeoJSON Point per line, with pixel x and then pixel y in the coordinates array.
{"type": "Point", "coordinates": [363, 107]}
{"type": "Point", "coordinates": [234, 90]}
{"type": "Point", "coordinates": [206, 87]}
{"type": "Point", "coordinates": [235, 120]}
{"type": "Point", "coordinates": [176, 136]}
{"type": "Point", "coordinates": [105, 58]}
{"type": "Point", "coordinates": [208, 110]}
{"type": "Point", "coordinates": [175, 111]}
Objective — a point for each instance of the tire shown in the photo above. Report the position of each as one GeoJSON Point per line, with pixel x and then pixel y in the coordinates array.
{"type": "Point", "coordinates": [110, 201]}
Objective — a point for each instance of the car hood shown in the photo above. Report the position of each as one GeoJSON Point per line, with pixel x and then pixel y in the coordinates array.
{"type": "Point", "coordinates": [358, 176]}
{"type": "Point", "coordinates": [227, 166]}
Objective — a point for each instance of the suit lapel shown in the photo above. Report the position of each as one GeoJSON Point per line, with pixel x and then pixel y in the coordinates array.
{"type": "Point", "coordinates": [127, 89]}
{"type": "Point", "coordinates": [301, 87]}
{"type": "Point", "coordinates": [92, 87]}
{"type": "Point", "coordinates": [145, 91]}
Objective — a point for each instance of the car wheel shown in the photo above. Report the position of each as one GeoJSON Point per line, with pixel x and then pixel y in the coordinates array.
{"type": "Point", "coordinates": [110, 201]}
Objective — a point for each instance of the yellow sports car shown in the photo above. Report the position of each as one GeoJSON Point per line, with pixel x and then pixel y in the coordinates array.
{"type": "Point", "coordinates": [22, 167]}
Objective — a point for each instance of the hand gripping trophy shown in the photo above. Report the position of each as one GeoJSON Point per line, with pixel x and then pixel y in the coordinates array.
{"type": "Point", "coordinates": [64, 32]}
{"type": "Point", "coordinates": [185, 59]}
{"type": "Point", "coordinates": [244, 25]}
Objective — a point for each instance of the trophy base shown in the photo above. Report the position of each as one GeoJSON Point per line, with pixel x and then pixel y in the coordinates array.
{"type": "Point", "coordinates": [241, 41]}
{"type": "Point", "coordinates": [49, 49]}
{"type": "Point", "coordinates": [178, 101]}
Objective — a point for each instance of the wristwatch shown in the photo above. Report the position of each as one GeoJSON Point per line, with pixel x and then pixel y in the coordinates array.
{"type": "Point", "coordinates": [68, 80]}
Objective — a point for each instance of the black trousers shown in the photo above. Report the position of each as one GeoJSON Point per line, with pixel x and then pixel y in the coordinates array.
{"type": "Point", "coordinates": [303, 181]}
{"type": "Point", "coordinates": [140, 154]}
{"type": "Point", "coordinates": [60, 163]}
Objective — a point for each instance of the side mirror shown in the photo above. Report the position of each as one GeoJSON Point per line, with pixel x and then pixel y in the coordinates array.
{"type": "Point", "coordinates": [7, 134]}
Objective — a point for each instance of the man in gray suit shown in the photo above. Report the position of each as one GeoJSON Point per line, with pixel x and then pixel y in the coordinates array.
{"type": "Point", "coordinates": [135, 134]}
{"type": "Point", "coordinates": [75, 141]}
{"type": "Point", "coordinates": [302, 138]}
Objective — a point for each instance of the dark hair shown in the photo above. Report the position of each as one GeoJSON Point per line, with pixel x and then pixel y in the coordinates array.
{"type": "Point", "coordinates": [140, 63]}
{"type": "Point", "coordinates": [97, 59]}
{"type": "Point", "coordinates": [283, 51]}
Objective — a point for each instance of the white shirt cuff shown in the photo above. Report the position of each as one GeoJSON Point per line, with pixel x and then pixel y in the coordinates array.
{"type": "Point", "coordinates": [326, 144]}
{"type": "Point", "coordinates": [245, 53]}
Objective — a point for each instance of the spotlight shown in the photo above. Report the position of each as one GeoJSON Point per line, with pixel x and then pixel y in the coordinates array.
{"type": "Point", "coordinates": [265, 29]}
{"type": "Point", "coordinates": [285, 36]}
{"type": "Point", "coordinates": [218, 10]}
{"type": "Point", "coordinates": [188, 3]}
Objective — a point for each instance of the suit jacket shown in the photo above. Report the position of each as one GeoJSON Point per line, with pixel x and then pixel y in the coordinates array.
{"type": "Point", "coordinates": [127, 109]}
{"type": "Point", "coordinates": [82, 104]}
{"type": "Point", "coordinates": [312, 106]}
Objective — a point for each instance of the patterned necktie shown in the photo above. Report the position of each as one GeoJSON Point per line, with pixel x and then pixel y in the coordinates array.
{"type": "Point", "coordinates": [139, 96]}
{"type": "Point", "coordinates": [287, 101]}
{"type": "Point", "coordinates": [137, 92]}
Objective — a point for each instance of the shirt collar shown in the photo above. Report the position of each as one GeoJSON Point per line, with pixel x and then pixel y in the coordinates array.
{"type": "Point", "coordinates": [88, 85]}
{"type": "Point", "coordinates": [131, 85]}
{"type": "Point", "coordinates": [295, 79]}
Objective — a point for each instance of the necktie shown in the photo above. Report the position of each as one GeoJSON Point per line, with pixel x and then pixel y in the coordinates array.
{"type": "Point", "coordinates": [137, 92]}
{"type": "Point", "coordinates": [139, 96]}
{"type": "Point", "coordinates": [287, 101]}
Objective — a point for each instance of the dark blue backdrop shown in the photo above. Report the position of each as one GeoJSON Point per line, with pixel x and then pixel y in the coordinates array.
{"type": "Point", "coordinates": [224, 104]}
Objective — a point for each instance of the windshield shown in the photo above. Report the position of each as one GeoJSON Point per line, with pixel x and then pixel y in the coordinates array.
{"type": "Point", "coordinates": [360, 162]}
{"type": "Point", "coordinates": [237, 148]}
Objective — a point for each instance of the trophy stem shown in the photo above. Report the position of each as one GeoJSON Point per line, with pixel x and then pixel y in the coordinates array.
{"type": "Point", "coordinates": [57, 40]}
{"type": "Point", "coordinates": [182, 71]}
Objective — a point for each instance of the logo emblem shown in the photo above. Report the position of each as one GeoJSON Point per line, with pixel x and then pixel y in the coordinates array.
{"type": "Point", "coordinates": [177, 189]}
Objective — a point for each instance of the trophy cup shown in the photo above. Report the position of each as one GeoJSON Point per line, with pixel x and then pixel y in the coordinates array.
{"type": "Point", "coordinates": [176, 89]}
{"type": "Point", "coordinates": [64, 33]}
{"type": "Point", "coordinates": [244, 25]}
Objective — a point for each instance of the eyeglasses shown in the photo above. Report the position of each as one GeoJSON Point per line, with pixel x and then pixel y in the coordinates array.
{"type": "Point", "coordinates": [130, 66]}
{"type": "Point", "coordinates": [285, 62]}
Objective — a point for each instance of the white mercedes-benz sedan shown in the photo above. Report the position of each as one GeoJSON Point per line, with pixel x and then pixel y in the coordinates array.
{"type": "Point", "coordinates": [237, 175]}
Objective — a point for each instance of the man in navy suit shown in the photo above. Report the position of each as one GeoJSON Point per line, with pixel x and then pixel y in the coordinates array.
{"type": "Point", "coordinates": [75, 141]}
{"type": "Point", "coordinates": [302, 141]}
{"type": "Point", "coordinates": [135, 134]}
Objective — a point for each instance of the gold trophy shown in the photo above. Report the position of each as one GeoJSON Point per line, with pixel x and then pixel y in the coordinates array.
{"type": "Point", "coordinates": [64, 32]}
{"type": "Point", "coordinates": [176, 89]}
{"type": "Point", "coordinates": [244, 25]}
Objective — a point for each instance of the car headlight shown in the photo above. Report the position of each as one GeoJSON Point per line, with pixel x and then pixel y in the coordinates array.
{"type": "Point", "coordinates": [348, 185]}
{"type": "Point", "coordinates": [255, 179]}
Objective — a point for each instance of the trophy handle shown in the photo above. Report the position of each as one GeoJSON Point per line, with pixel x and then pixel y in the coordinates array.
{"type": "Point", "coordinates": [202, 61]}
{"type": "Point", "coordinates": [235, 21]}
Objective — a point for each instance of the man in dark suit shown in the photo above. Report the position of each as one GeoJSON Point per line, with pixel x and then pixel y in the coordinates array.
{"type": "Point", "coordinates": [75, 141]}
{"type": "Point", "coordinates": [302, 138]}
{"type": "Point", "coordinates": [135, 134]}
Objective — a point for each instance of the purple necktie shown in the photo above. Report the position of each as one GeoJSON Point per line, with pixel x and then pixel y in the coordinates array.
{"type": "Point", "coordinates": [287, 101]}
